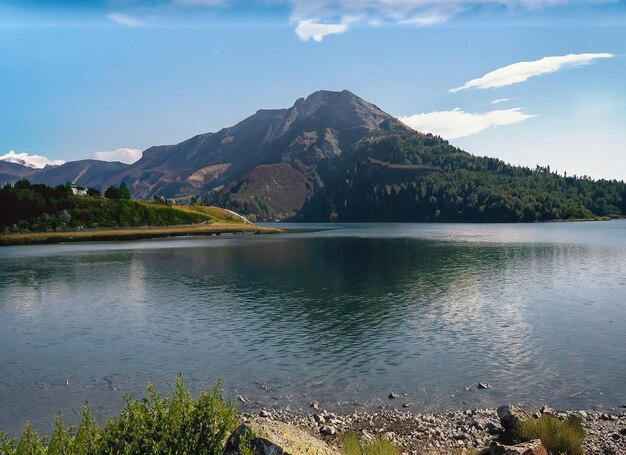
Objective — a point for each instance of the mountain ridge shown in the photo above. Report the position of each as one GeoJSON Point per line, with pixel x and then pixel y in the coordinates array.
{"type": "Point", "coordinates": [336, 156]}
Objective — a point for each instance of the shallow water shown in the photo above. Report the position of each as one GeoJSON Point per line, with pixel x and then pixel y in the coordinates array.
{"type": "Point", "coordinates": [343, 313]}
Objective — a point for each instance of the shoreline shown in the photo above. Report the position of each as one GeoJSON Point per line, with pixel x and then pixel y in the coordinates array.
{"type": "Point", "coordinates": [132, 233]}
{"type": "Point", "coordinates": [451, 432]}
{"type": "Point", "coordinates": [447, 432]}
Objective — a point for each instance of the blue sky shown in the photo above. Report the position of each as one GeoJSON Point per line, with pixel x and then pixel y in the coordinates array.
{"type": "Point", "coordinates": [83, 79]}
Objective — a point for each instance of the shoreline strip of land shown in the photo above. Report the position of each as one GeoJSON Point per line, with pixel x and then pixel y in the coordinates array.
{"type": "Point", "coordinates": [132, 233]}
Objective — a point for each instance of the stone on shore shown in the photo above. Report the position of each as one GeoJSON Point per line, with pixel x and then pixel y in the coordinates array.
{"type": "Point", "coordinates": [261, 446]}
{"type": "Point", "coordinates": [510, 416]}
{"type": "Point", "coordinates": [534, 447]}
{"type": "Point", "coordinates": [278, 438]}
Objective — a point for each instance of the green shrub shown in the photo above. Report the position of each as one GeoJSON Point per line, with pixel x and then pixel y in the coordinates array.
{"type": "Point", "coordinates": [558, 436]}
{"type": "Point", "coordinates": [154, 425]}
{"type": "Point", "coordinates": [350, 445]}
{"type": "Point", "coordinates": [246, 443]}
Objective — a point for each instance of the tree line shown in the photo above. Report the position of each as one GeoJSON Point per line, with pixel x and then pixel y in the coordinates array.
{"type": "Point", "coordinates": [438, 182]}
{"type": "Point", "coordinates": [37, 207]}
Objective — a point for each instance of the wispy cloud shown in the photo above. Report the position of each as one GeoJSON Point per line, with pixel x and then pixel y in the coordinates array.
{"type": "Point", "coordinates": [408, 12]}
{"type": "Point", "coordinates": [500, 100]}
{"type": "Point", "coordinates": [34, 161]}
{"type": "Point", "coordinates": [319, 18]}
{"type": "Point", "coordinates": [457, 123]}
{"type": "Point", "coordinates": [124, 19]}
{"type": "Point", "coordinates": [124, 155]}
{"type": "Point", "coordinates": [424, 20]}
{"type": "Point", "coordinates": [312, 29]}
{"type": "Point", "coordinates": [522, 71]}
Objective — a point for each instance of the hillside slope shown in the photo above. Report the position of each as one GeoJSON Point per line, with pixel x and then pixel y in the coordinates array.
{"type": "Point", "coordinates": [10, 172]}
{"type": "Point", "coordinates": [86, 173]}
{"type": "Point", "coordinates": [37, 207]}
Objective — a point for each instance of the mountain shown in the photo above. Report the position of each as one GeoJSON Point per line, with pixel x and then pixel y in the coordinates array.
{"type": "Point", "coordinates": [86, 173]}
{"type": "Point", "coordinates": [334, 156]}
{"type": "Point", "coordinates": [275, 156]}
{"type": "Point", "coordinates": [11, 171]}
{"type": "Point", "coordinates": [16, 160]}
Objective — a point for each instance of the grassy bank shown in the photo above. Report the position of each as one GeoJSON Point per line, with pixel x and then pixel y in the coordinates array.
{"type": "Point", "coordinates": [135, 233]}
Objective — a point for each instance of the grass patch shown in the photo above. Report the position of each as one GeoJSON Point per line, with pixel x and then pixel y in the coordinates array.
{"type": "Point", "coordinates": [154, 425]}
{"type": "Point", "coordinates": [350, 445]}
{"type": "Point", "coordinates": [558, 436]}
{"type": "Point", "coordinates": [216, 213]}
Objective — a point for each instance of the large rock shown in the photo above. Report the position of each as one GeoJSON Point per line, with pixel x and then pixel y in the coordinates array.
{"type": "Point", "coordinates": [510, 416]}
{"type": "Point", "coordinates": [277, 438]}
{"type": "Point", "coordinates": [534, 447]}
{"type": "Point", "coordinates": [261, 446]}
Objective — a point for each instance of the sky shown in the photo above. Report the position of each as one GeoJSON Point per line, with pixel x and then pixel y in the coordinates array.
{"type": "Point", "coordinates": [527, 81]}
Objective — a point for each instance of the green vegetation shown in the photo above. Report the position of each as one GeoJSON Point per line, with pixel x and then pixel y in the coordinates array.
{"type": "Point", "coordinates": [118, 192]}
{"type": "Point", "coordinates": [31, 238]}
{"type": "Point", "coordinates": [558, 436]}
{"type": "Point", "coordinates": [39, 208]}
{"type": "Point", "coordinates": [350, 445]}
{"type": "Point", "coordinates": [246, 442]}
{"type": "Point", "coordinates": [403, 176]}
{"type": "Point", "coordinates": [154, 425]}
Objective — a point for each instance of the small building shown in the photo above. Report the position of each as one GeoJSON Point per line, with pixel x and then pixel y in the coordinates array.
{"type": "Point", "coordinates": [79, 190]}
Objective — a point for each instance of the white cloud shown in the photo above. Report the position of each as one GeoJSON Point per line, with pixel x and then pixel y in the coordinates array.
{"type": "Point", "coordinates": [410, 12]}
{"type": "Point", "coordinates": [328, 16]}
{"type": "Point", "coordinates": [34, 161]}
{"type": "Point", "coordinates": [500, 100]}
{"type": "Point", "coordinates": [522, 71]}
{"type": "Point", "coordinates": [426, 19]}
{"type": "Point", "coordinates": [124, 19]}
{"type": "Point", "coordinates": [124, 155]}
{"type": "Point", "coordinates": [457, 123]}
{"type": "Point", "coordinates": [312, 29]}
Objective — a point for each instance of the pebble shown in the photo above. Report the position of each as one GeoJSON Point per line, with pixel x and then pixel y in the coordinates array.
{"type": "Point", "coordinates": [264, 413]}
{"type": "Point", "coordinates": [447, 432]}
{"type": "Point", "coordinates": [483, 385]}
{"type": "Point", "coordinates": [393, 395]}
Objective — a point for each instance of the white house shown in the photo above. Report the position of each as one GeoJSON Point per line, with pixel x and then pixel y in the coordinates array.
{"type": "Point", "coordinates": [79, 190]}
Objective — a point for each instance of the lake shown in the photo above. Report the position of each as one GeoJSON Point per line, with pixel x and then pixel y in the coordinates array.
{"type": "Point", "coordinates": [334, 313]}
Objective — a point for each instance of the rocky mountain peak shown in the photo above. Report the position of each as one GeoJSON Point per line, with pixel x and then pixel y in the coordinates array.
{"type": "Point", "coordinates": [344, 109]}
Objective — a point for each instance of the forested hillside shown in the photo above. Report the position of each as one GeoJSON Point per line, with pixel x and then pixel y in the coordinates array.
{"type": "Point", "coordinates": [399, 175]}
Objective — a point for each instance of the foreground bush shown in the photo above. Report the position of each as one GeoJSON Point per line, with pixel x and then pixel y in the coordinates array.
{"type": "Point", "coordinates": [350, 445]}
{"type": "Point", "coordinates": [558, 436]}
{"type": "Point", "coordinates": [154, 425]}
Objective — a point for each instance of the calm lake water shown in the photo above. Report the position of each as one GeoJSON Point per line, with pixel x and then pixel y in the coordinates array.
{"type": "Point", "coordinates": [346, 313]}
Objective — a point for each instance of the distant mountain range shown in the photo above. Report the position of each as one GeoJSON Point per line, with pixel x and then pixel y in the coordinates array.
{"type": "Point", "coordinates": [335, 156]}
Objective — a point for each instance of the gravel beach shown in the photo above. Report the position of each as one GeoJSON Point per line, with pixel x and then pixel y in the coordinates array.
{"type": "Point", "coordinates": [453, 432]}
